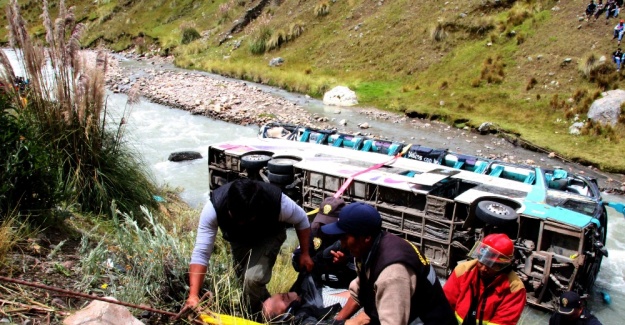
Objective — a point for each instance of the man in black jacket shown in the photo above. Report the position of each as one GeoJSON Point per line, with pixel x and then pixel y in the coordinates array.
{"type": "Point", "coordinates": [252, 216]}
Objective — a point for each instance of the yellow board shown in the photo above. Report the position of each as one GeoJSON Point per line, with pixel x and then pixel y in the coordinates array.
{"type": "Point", "coordinates": [217, 319]}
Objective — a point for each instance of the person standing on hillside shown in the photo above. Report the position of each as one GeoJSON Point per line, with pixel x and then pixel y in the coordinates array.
{"type": "Point", "coordinates": [600, 9]}
{"type": "Point", "coordinates": [611, 10]}
{"type": "Point", "coordinates": [617, 57]}
{"type": "Point", "coordinates": [571, 311]}
{"type": "Point", "coordinates": [252, 216]}
{"type": "Point", "coordinates": [395, 283]}
{"type": "Point", "coordinates": [486, 289]}
{"type": "Point", "coordinates": [618, 31]}
{"type": "Point", "coordinates": [590, 9]}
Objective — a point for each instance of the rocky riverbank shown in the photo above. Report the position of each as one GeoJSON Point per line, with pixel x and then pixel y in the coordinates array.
{"type": "Point", "coordinates": [230, 101]}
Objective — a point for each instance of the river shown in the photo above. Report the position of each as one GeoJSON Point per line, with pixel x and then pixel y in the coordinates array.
{"type": "Point", "coordinates": [155, 131]}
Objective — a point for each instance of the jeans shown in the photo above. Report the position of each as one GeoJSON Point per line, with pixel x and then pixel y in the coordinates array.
{"type": "Point", "coordinates": [618, 60]}
{"type": "Point", "coordinates": [254, 264]}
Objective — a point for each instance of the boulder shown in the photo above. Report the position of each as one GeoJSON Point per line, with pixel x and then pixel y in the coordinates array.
{"type": "Point", "coordinates": [606, 110]}
{"type": "Point", "coordinates": [340, 96]}
{"type": "Point", "coordinates": [102, 313]}
{"type": "Point", "coordinates": [184, 155]}
{"type": "Point", "coordinates": [276, 62]}
{"type": "Point", "coordinates": [576, 128]}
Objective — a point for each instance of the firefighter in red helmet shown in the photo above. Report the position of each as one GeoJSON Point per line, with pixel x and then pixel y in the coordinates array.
{"type": "Point", "coordinates": [486, 290]}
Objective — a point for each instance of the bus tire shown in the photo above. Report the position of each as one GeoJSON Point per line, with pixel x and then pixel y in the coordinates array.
{"type": "Point", "coordinates": [495, 213]}
{"type": "Point", "coordinates": [255, 160]}
{"type": "Point", "coordinates": [282, 165]}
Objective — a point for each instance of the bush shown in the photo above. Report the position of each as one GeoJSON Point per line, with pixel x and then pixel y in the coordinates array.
{"type": "Point", "coordinates": [589, 64]}
{"type": "Point", "coordinates": [531, 83]}
{"type": "Point", "coordinates": [258, 41]}
{"type": "Point", "coordinates": [322, 9]}
{"type": "Point", "coordinates": [296, 29]}
{"type": "Point", "coordinates": [189, 34]}
{"type": "Point", "coordinates": [29, 177]}
{"type": "Point", "coordinates": [278, 38]}
{"type": "Point", "coordinates": [90, 164]}
{"type": "Point", "coordinates": [438, 33]}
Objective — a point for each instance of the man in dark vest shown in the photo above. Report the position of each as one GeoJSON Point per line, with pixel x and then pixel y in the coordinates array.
{"type": "Point", "coordinates": [396, 284]}
{"type": "Point", "coordinates": [252, 216]}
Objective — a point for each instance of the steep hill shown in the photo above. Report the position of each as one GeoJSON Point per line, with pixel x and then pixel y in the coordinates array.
{"type": "Point", "coordinates": [525, 65]}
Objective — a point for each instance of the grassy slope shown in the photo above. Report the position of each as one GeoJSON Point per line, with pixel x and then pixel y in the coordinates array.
{"type": "Point", "coordinates": [391, 60]}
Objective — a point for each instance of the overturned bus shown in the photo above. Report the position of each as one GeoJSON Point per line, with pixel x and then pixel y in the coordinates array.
{"type": "Point", "coordinates": [557, 220]}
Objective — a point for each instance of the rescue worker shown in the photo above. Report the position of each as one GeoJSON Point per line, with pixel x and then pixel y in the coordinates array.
{"type": "Point", "coordinates": [395, 283]}
{"type": "Point", "coordinates": [571, 311]}
{"type": "Point", "coordinates": [322, 247]}
{"type": "Point", "coordinates": [252, 216]}
{"type": "Point", "coordinates": [486, 290]}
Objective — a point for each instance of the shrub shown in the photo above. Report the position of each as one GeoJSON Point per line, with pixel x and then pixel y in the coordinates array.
{"type": "Point", "coordinates": [520, 38]}
{"type": "Point", "coordinates": [531, 83]}
{"type": "Point", "coordinates": [322, 9]}
{"type": "Point", "coordinates": [438, 33]}
{"type": "Point", "coordinates": [589, 64]}
{"type": "Point", "coordinates": [66, 115]}
{"type": "Point", "coordinates": [296, 29]}
{"type": "Point", "coordinates": [517, 15]}
{"type": "Point", "coordinates": [278, 38]}
{"type": "Point", "coordinates": [258, 41]}
{"type": "Point", "coordinates": [224, 12]}
{"type": "Point", "coordinates": [189, 34]}
{"type": "Point", "coordinates": [493, 70]}
{"type": "Point", "coordinates": [27, 181]}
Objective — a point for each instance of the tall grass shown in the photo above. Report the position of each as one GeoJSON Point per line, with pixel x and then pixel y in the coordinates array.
{"type": "Point", "coordinates": [66, 110]}
{"type": "Point", "coordinates": [149, 264]}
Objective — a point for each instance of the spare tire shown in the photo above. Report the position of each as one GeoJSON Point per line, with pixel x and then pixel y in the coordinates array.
{"type": "Point", "coordinates": [280, 179]}
{"type": "Point", "coordinates": [255, 159]}
{"type": "Point", "coordinates": [282, 164]}
{"type": "Point", "coordinates": [495, 213]}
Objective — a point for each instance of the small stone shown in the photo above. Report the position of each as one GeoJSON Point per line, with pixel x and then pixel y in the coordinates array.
{"type": "Point", "coordinates": [552, 155]}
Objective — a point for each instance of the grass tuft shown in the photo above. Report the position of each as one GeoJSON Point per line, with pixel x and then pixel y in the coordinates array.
{"type": "Point", "coordinates": [438, 33]}
{"type": "Point", "coordinates": [589, 64]}
{"type": "Point", "coordinates": [322, 9]}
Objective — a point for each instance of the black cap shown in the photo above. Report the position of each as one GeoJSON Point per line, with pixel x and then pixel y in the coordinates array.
{"type": "Point", "coordinates": [358, 219]}
{"type": "Point", "coordinates": [568, 302]}
{"type": "Point", "coordinates": [329, 210]}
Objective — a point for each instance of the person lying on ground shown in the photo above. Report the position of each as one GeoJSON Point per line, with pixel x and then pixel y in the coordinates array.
{"type": "Point", "coordinates": [304, 304]}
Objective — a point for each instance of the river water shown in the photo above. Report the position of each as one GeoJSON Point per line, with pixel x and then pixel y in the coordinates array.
{"type": "Point", "coordinates": [155, 131]}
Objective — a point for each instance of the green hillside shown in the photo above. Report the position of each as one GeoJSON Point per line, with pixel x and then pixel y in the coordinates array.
{"type": "Point", "coordinates": [465, 62]}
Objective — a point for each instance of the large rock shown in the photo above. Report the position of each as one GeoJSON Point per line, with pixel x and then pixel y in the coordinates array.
{"type": "Point", "coordinates": [102, 313]}
{"type": "Point", "coordinates": [340, 96]}
{"type": "Point", "coordinates": [184, 155]}
{"type": "Point", "coordinates": [607, 109]}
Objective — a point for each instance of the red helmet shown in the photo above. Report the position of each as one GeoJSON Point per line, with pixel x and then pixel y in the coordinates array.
{"type": "Point", "coordinates": [501, 243]}
{"type": "Point", "coordinates": [495, 251]}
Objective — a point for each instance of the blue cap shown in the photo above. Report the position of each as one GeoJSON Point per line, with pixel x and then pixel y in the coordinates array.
{"type": "Point", "coordinates": [358, 219]}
